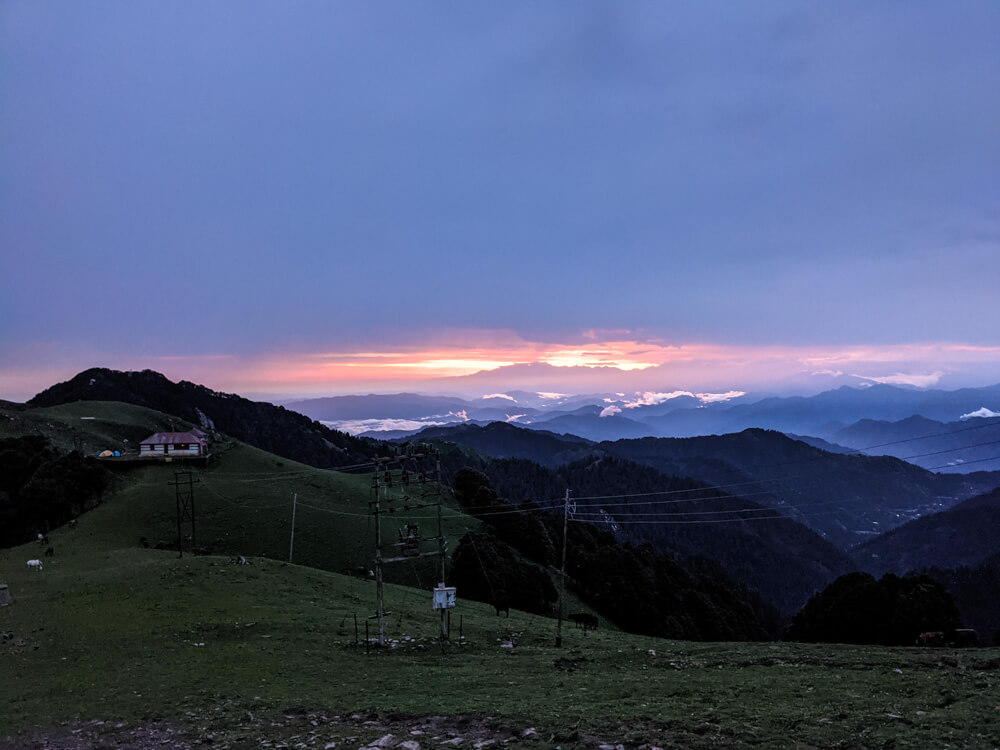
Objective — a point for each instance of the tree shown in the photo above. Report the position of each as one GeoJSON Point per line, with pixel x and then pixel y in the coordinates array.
{"type": "Point", "coordinates": [892, 611]}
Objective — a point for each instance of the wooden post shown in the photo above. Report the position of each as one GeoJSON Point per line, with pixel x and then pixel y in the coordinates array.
{"type": "Point", "coordinates": [379, 586]}
{"type": "Point", "coordinates": [562, 576]}
{"type": "Point", "coordinates": [291, 539]}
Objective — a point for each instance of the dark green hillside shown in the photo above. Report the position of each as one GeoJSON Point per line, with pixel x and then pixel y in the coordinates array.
{"type": "Point", "coordinates": [41, 488]}
{"type": "Point", "coordinates": [87, 426]}
{"type": "Point", "coordinates": [892, 611]}
{"type": "Point", "coordinates": [636, 587]}
{"type": "Point", "coordinates": [977, 594]}
{"type": "Point", "coordinates": [243, 497]}
{"type": "Point", "coordinates": [502, 440]}
{"type": "Point", "coordinates": [271, 428]}
{"type": "Point", "coordinates": [243, 500]}
{"type": "Point", "coordinates": [779, 559]}
{"type": "Point", "coordinates": [845, 498]}
{"type": "Point", "coordinates": [961, 536]}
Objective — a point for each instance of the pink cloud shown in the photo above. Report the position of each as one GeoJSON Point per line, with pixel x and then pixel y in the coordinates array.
{"type": "Point", "coordinates": [476, 362]}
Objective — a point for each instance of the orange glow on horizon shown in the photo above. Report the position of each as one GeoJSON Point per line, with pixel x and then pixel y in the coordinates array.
{"type": "Point", "coordinates": [508, 362]}
{"type": "Point", "coordinates": [693, 365]}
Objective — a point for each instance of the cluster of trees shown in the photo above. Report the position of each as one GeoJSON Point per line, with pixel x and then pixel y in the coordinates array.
{"type": "Point", "coordinates": [977, 595]}
{"type": "Point", "coordinates": [891, 611]}
{"type": "Point", "coordinates": [510, 561]}
{"type": "Point", "coordinates": [41, 488]}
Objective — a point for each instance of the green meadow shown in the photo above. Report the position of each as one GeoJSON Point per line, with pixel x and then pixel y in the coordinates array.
{"type": "Point", "coordinates": [112, 638]}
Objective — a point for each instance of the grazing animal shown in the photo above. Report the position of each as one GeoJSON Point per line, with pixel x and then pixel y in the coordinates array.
{"type": "Point", "coordinates": [931, 638]}
{"type": "Point", "coordinates": [502, 605]}
{"type": "Point", "coordinates": [35, 564]}
{"type": "Point", "coordinates": [584, 620]}
{"type": "Point", "coordinates": [50, 552]}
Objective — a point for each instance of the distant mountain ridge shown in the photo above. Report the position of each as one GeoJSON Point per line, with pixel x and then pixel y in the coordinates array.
{"type": "Point", "coordinates": [271, 428]}
{"type": "Point", "coordinates": [674, 414]}
{"type": "Point", "coordinates": [963, 536]}
{"type": "Point", "coordinates": [958, 446]}
{"type": "Point", "coordinates": [847, 498]}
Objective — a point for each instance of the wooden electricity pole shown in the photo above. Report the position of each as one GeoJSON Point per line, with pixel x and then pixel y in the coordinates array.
{"type": "Point", "coordinates": [562, 576]}
{"type": "Point", "coordinates": [291, 538]}
{"type": "Point", "coordinates": [379, 587]}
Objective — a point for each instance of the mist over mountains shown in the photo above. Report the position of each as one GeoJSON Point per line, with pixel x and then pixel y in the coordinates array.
{"type": "Point", "coordinates": [953, 431]}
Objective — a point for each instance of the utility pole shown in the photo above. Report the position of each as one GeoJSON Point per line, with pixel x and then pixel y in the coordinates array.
{"type": "Point", "coordinates": [445, 614]}
{"type": "Point", "coordinates": [379, 587]}
{"type": "Point", "coordinates": [291, 540]}
{"type": "Point", "coordinates": [562, 576]}
{"type": "Point", "coordinates": [426, 494]}
{"type": "Point", "coordinates": [183, 485]}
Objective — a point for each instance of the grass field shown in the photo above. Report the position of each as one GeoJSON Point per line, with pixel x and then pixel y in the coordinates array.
{"type": "Point", "coordinates": [114, 645]}
{"type": "Point", "coordinates": [137, 636]}
{"type": "Point", "coordinates": [243, 498]}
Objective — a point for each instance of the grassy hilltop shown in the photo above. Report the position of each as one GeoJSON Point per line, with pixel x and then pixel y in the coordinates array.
{"type": "Point", "coordinates": [243, 498]}
{"type": "Point", "coordinates": [169, 652]}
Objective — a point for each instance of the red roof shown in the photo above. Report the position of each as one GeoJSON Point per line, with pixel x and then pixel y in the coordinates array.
{"type": "Point", "coordinates": [171, 438]}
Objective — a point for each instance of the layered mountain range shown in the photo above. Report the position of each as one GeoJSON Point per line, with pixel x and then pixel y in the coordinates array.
{"type": "Point", "coordinates": [952, 431]}
{"type": "Point", "coordinates": [782, 514]}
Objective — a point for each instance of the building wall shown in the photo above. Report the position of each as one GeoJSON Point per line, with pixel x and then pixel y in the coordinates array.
{"type": "Point", "coordinates": [159, 450]}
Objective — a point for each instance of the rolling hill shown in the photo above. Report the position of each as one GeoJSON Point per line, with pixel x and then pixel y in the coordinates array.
{"type": "Point", "coordinates": [962, 536]}
{"type": "Point", "coordinates": [271, 428]}
{"type": "Point", "coordinates": [114, 644]}
{"type": "Point", "coordinates": [247, 499]}
{"type": "Point", "coordinates": [845, 498]}
{"type": "Point", "coordinates": [772, 556]}
{"type": "Point", "coordinates": [243, 497]}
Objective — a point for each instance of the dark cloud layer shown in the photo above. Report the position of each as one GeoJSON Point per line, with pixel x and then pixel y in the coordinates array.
{"type": "Point", "coordinates": [314, 174]}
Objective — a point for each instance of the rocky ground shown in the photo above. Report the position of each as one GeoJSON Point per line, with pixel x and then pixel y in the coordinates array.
{"type": "Point", "coordinates": [296, 729]}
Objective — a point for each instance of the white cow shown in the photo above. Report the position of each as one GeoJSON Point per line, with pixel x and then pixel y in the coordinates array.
{"type": "Point", "coordinates": [35, 564]}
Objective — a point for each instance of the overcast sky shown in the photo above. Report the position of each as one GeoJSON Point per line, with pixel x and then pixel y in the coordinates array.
{"type": "Point", "coordinates": [234, 192]}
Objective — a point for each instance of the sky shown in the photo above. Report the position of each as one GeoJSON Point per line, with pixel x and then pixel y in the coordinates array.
{"type": "Point", "coordinates": [314, 198]}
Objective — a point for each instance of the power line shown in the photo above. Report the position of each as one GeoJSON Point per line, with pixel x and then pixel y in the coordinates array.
{"type": "Point", "coordinates": [924, 437]}
{"type": "Point", "coordinates": [951, 450]}
{"type": "Point", "coordinates": [760, 508]}
{"type": "Point", "coordinates": [964, 463]}
{"type": "Point", "coordinates": [678, 492]}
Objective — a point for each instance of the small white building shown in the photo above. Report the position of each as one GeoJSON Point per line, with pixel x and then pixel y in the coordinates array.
{"type": "Point", "coordinates": [193, 443]}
